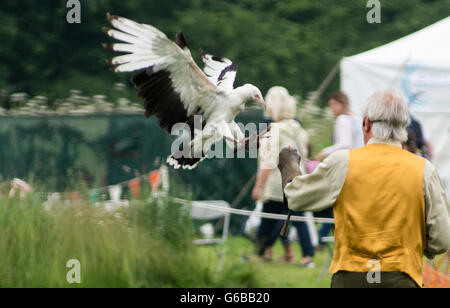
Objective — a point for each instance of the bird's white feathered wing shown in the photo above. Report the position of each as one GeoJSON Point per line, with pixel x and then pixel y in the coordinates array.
{"type": "Point", "coordinates": [220, 71]}
{"type": "Point", "coordinates": [168, 67]}
{"type": "Point", "coordinates": [173, 87]}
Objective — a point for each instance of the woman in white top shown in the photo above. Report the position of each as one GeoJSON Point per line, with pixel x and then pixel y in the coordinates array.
{"type": "Point", "coordinates": [347, 130]}
{"type": "Point", "coordinates": [347, 134]}
{"type": "Point", "coordinates": [284, 131]}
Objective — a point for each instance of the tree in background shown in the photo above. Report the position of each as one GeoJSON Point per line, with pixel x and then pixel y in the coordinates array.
{"type": "Point", "coordinates": [287, 42]}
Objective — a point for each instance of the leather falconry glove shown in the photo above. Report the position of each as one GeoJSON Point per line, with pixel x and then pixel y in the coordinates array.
{"type": "Point", "coordinates": [289, 166]}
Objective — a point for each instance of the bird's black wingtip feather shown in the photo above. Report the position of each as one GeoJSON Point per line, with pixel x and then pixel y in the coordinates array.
{"type": "Point", "coordinates": [107, 46]}
{"type": "Point", "coordinates": [218, 59]}
{"type": "Point", "coordinates": [111, 17]}
{"type": "Point", "coordinates": [180, 40]}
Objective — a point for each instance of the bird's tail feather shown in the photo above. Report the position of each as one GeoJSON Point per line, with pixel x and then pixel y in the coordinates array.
{"type": "Point", "coordinates": [183, 162]}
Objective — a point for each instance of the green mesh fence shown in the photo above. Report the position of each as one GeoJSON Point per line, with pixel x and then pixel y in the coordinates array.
{"type": "Point", "coordinates": [67, 153]}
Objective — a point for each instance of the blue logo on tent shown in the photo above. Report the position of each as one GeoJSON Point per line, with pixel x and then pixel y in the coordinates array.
{"type": "Point", "coordinates": [413, 97]}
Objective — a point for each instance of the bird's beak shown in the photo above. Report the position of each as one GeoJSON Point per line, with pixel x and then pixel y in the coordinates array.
{"type": "Point", "coordinates": [262, 103]}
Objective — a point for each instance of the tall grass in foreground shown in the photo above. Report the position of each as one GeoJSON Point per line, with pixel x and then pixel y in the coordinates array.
{"type": "Point", "coordinates": [144, 245]}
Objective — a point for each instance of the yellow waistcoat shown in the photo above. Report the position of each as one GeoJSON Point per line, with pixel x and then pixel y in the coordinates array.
{"type": "Point", "coordinates": [380, 212]}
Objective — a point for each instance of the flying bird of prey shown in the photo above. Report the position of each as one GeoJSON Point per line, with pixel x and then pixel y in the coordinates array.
{"type": "Point", "coordinates": [176, 90]}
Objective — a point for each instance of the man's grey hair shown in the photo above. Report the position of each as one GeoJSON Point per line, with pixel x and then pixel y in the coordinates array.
{"type": "Point", "coordinates": [390, 112]}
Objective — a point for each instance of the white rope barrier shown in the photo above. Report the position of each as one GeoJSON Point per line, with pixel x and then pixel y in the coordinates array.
{"type": "Point", "coordinates": [205, 205]}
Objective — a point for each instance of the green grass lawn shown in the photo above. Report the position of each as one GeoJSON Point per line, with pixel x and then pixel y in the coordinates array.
{"type": "Point", "coordinates": [271, 275]}
{"type": "Point", "coordinates": [144, 245]}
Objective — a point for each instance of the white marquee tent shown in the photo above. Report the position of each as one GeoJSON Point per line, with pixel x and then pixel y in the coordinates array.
{"type": "Point", "coordinates": [418, 65]}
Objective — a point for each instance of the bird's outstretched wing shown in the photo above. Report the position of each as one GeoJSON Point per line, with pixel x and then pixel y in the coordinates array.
{"type": "Point", "coordinates": [220, 71]}
{"type": "Point", "coordinates": [173, 87]}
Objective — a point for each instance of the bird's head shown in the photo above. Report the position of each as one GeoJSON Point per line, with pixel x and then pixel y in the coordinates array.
{"type": "Point", "coordinates": [256, 96]}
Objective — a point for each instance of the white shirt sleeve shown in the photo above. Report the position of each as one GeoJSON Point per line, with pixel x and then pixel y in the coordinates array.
{"type": "Point", "coordinates": [437, 212]}
{"type": "Point", "coordinates": [342, 135]}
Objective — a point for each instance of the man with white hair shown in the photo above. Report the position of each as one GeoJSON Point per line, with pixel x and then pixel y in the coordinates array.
{"type": "Point", "coordinates": [389, 205]}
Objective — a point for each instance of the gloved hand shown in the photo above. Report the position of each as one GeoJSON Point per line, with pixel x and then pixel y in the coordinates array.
{"type": "Point", "coordinates": [289, 165]}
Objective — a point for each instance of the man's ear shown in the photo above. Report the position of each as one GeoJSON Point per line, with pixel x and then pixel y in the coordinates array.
{"type": "Point", "coordinates": [367, 125]}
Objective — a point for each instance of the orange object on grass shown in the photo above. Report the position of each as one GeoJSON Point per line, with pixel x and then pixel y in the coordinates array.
{"type": "Point", "coordinates": [436, 276]}
{"type": "Point", "coordinates": [153, 178]}
{"type": "Point", "coordinates": [135, 187]}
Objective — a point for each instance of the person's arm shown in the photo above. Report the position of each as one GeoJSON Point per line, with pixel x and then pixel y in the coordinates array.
{"type": "Point", "coordinates": [429, 149]}
{"type": "Point", "coordinates": [320, 189]}
{"type": "Point", "coordinates": [261, 178]}
{"type": "Point", "coordinates": [342, 135]}
{"type": "Point", "coordinates": [267, 160]}
{"type": "Point", "coordinates": [437, 212]}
